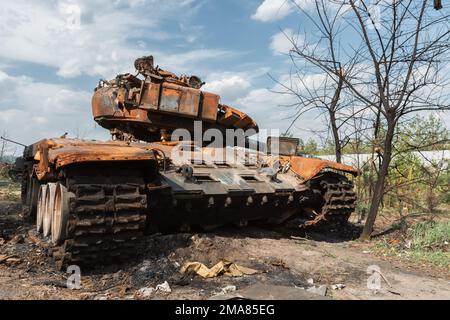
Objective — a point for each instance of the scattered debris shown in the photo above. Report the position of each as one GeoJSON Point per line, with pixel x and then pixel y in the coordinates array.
{"type": "Point", "coordinates": [19, 238]}
{"type": "Point", "coordinates": [27, 271]}
{"type": "Point", "coordinates": [394, 242]}
{"type": "Point", "coordinates": [280, 263]}
{"type": "Point", "coordinates": [9, 258]}
{"type": "Point", "coordinates": [408, 244]}
{"type": "Point", "coordinates": [223, 267]}
{"type": "Point", "coordinates": [146, 292]}
{"type": "Point", "coordinates": [322, 290]}
{"type": "Point", "coordinates": [395, 293]}
{"type": "Point", "coordinates": [52, 283]}
{"type": "Point", "coordinates": [299, 238]}
{"type": "Point", "coordinates": [164, 287]}
{"type": "Point", "coordinates": [269, 292]}
{"type": "Point", "coordinates": [228, 289]}
{"type": "Point", "coordinates": [196, 239]}
{"type": "Point", "coordinates": [13, 260]}
{"type": "Point", "coordinates": [338, 286]}
{"type": "Point", "coordinates": [33, 237]}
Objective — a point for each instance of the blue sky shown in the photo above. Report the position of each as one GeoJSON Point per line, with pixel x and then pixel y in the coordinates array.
{"type": "Point", "coordinates": [49, 63]}
{"type": "Point", "coordinates": [54, 52]}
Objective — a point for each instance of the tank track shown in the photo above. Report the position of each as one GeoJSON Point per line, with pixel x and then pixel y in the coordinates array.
{"type": "Point", "coordinates": [108, 215]}
{"type": "Point", "coordinates": [338, 201]}
{"type": "Point", "coordinates": [106, 221]}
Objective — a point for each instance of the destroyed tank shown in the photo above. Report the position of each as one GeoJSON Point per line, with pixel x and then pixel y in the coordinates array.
{"type": "Point", "coordinates": [93, 202]}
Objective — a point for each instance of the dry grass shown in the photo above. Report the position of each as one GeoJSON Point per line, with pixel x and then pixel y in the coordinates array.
{"type": "Point", "coordinates": [9, 191]}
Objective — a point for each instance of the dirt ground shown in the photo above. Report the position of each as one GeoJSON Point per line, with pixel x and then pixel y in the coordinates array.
{"type": "Point", "coordinates": [287, 261]}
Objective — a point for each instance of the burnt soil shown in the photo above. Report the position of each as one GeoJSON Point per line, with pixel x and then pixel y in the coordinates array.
{"type": "Point", "coordinates": [284, 256]}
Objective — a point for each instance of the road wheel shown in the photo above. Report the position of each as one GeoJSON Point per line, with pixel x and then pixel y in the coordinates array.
{"type": "Point", "coordinates": [60, 214]}
{"type": "Point", "coordinates": [48, 213]}
{"type": "Point", "coordinates": [31, 197]}
{"type": "Point", "coordinates": [41, 207]}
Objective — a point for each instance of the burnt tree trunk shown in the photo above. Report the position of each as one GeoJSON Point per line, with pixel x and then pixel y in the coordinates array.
{"type": "Point", "coordinates": [337, 142]}
{"type": "Point", "coordinates": [334, 127]}
{"type": "Point", "coordinates": [379, 186]}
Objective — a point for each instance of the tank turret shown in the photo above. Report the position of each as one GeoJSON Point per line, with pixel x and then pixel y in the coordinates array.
{"type": "Point", "coordinates": [150, 105]}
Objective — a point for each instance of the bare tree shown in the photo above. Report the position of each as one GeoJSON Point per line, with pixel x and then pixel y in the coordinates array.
{"type": "Point", "coordinates": [393, 59]}
{"type": "Point", "coordinates": [3, 166]}
{"type": "Point", "coordinates": [80, 133]}
{"type": "Point", "coordinates": [323, 92]}
{"type": "Point", "coordinates": [406, 49]}
{"type": "Point", "coordinates": [3, 145]}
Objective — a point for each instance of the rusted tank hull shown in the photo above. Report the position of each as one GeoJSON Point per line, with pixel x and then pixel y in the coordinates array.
{"type": "Point", "coordinates": [50, 155]}
{"type": "Point", "coordinates": [94, 201]}
{"type": "Point", "coordinates": [113, 193]}
{"type": "Point", "coordinates": [238, 190]}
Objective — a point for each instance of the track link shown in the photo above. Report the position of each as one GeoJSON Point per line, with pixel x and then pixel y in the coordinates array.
{"type": "Point", "coordinates": [106, 222]}
{"type": "Point", "coordinates": [339, 201]}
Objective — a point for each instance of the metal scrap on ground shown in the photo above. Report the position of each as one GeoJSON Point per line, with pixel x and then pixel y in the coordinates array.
{"type": "Point", "coordinates": [221, 268]}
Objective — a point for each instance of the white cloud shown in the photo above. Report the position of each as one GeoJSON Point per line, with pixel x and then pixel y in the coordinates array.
{"type": "Point", "coordinates": [111, 34]}
{"type": "Point", "coordinates": [281, 43]}
{"type": "Point", "coordinates": [272, 10]}
{"type": "Point", "coordinates": [274, 110]}
{"type": "Point", "coordinates": [228, 85]}
{"type": "Point", "coordinates": [33, 110]}
{"type": "Point", "coordinates": [266, 106]}
{"type": "Point", "coordinates": [233, 85]}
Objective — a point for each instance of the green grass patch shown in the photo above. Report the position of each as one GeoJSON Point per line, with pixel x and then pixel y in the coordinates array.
{"type": "Point", "coordinates": [429, 234]}
{"type": "Point", "coordinates": [9, 191]}
{"type": "Point", "coordinates": [438, 258]}
{"type": "Point", "coordinates": [426, 242]}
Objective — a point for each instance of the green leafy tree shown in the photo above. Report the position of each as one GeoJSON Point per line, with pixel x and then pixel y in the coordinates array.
{"type": "Point", "coordinates": [311, 147]}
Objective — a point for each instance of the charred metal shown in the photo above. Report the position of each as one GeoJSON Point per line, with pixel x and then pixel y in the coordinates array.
{"type": "Point", "coordinates": [96, 200]}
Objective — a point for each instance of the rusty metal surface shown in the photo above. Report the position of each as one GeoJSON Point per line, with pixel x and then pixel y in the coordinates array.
{"type": "Point", "coordinates": [125, 188]}
{"type": "Point", "coordinates": [210, 103]}
{"type": "Point", "coordinates": [162, 101]}
{"type": "Point", "coordinates": [53, 154]}
{"type": "Point", "coordinates": [107, 214]}
{"type": "Point", "coordinates": [307, 168]}
{"type": "Point", "coordinates": [130, 197]}
{"type": "Point", "coordinates": [180, 100]}
{"type": "Point", "coordinates": [236, 119]}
